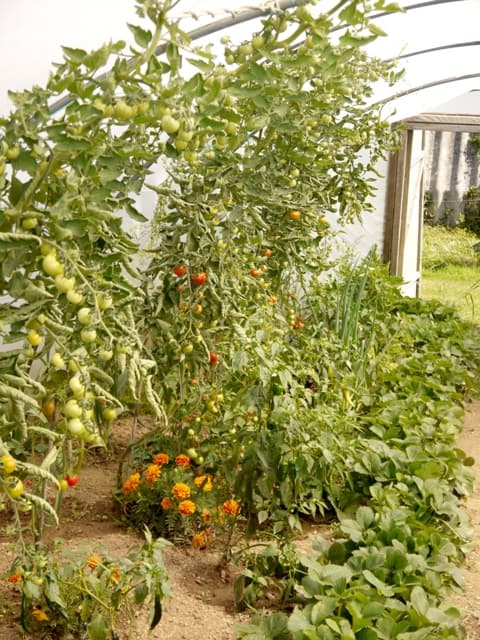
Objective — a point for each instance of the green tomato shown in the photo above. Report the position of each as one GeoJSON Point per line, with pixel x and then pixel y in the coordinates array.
{"type": "Point", "coordinates": [180, 145]}
{"type": "Point", "coordinates": [34, 338]}
{"type": "Point", "coordinates": [46, 249]}
{"type": "Point", "coordinates": [104, 302]}
{"type": "Point", "coordinates": [88, 335]}
{"type": "Point", "coordinates": [57, 361]}
{"type": "Point", "coordinates": [169, 124]}
{"type": "Point", "coordinates": [64, 284]}
{"type": "Point", "coordinates": [13, 153]}
{"type": "Point", "coordinates": [15, 488]}
{"type": "Point", "coordinates": [74, 297]}
{"type": "Point", "coordinates": [29, 223]}
{"type": "Point", "coordinates": [105, 354]}
{"type": "Point", "coordinates": [123, 111]}
{"type": "Point", "coordinates": [51, 265]}
{"type": "Point", "coordinates": [72, 409]}
{"type": "Point", "coordinates": [84, 315]}
{"type": "Point", "coordinates": [75, 426]}
{"type": "Point", "coordinates": [231, 128]}
{"type": "Point", "coordinates": [76, 386]}
{"type": "Point", "coordinates": [258, 42]}
{"type": "Point", "coordinates": [109, 413]}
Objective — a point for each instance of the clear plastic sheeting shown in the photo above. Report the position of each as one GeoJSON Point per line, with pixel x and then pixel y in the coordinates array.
{"type": "Point", "coordinates": [435, 39]}
{"type": "Point", "coordinates": [438, 46]}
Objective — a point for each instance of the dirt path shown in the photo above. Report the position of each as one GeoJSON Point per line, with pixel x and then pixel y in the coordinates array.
{"type": "Point", "coordinates": [202, 604]}
{"type": "Point", "coordinates": [469, 602]}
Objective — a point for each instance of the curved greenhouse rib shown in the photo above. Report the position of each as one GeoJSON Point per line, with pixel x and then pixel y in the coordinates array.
{"type": "Point", "coordinates": [245, 15]}
{"type": "Point", "coordinates": [409, 7]}
{"type": "Point", "coordinates": [457, 45]}
{"type": "Point", "coordinates": [427, 85]}
{"type": "Point", "coordinates": [416, 5]}
{"type": "Point", "coordinates": [242, 15]}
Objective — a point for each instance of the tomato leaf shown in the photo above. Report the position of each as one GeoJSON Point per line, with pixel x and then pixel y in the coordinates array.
{"type": "Point", "coordinates": [142, 36]}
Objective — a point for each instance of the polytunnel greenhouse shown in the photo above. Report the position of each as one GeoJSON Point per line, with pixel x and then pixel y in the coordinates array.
{"type": "Point", "coordinates": [239, 346]}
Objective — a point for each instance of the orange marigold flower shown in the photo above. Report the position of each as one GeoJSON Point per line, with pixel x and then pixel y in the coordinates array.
{"type": "Point", "coordinates": [181, 491]}
{"type": "Point", "coordinates": [131, 484]}
{"type": "Point", "coordinates": [39, 614]}
{"type": "Point", "coordinates": [231, 507]}
{"type": "Point", "coordinates": [152, 473]}
{"type": "Point", "coordinates": [93, 561]}
{"type": "Point", "coordinates": [161, 459]}
{"type": "Point", "coordinates": [14, 577]}
{"type": "Point", "coordinates": [187, 507]}
{"type": "Point", "coordinates": [205, 482]}
{"type": "Point", "coordinates": [201, 540]}
{"type": "Point", "coordinates": [166, 504]}
{"type": "Point", "coordinates": [182, 461]}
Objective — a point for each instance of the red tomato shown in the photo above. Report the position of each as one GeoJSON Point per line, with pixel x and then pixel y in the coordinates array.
{"type": "Point", "coordinates": [267, 253]}
{"type": "Point", "coordinates": [213, 357]}
{"type": "Point", "coordinates": [71, 480]}
{"type": "Point", "coordinates": [254, 273]}
{"type": "Point", "coordinates": [180, 270]}
{"type": "Point", "coordinates": [199, 278]}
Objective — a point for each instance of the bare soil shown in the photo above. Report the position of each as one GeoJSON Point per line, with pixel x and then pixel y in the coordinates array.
{"type": "Point", "coordinates": [202, 606]}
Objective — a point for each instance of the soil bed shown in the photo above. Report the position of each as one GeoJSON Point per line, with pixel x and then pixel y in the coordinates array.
{"type": "Point", "coordinates": [202, 605]}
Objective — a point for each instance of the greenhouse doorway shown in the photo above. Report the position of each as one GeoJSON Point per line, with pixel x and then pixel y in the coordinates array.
{"type": "Point", "coordinates": [405, 193]}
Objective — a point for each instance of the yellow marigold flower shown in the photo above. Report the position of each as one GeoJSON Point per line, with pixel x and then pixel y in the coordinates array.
{"type": "Point", "coordinates": [182, 461]}
{"type": "Point", "coordinates": [205, 482]}
{"type": "Point", "coordinates": [187, 507]}
{"type": "Point", "coordinates": [166, 504]}
{"type": "Point", "coordinates": [152, 473]}
{"type": "Point", "coordinates": [93, 561]}
{"type": "Point", "coordinates": [231, 507]}
{"type": "Point", "coordinates": [131, 484]}
{"type": "Point", "coordinates": [115, 575]}
{"type": "Point", "coordinates": [161, 459]}
{"type": "Point", "coordinates": [14, 577]}
{"type": "Point", "coordinates": [181, 491]}
{"type": "Point", "coordinates": [39, 614]}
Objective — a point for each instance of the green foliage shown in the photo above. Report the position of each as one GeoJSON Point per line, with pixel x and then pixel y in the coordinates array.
{"type": "Point", "coordinates": [471, 211]}
{"type": "Point", "coordinates": [171, 493]}
{"type": "Point", "coordinates": [86, 592]}
{"type": "Point", "coordinates": [301, 394]}
{"type": "Point", "coordinates": [400, 482]}
{"type": "Point", "coordinates": [257, 147]}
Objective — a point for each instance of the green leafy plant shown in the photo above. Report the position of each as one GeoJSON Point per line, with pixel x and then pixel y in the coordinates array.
{"type": "Point", "coordinates": [401, 532]}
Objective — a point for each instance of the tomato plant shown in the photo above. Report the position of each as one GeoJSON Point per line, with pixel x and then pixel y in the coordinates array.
{"type": "Point", "coordinates": [275, 125]}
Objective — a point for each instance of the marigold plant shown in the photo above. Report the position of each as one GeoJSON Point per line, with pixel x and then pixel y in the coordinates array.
{"type": "Point", "coordinates": [175, 497]}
